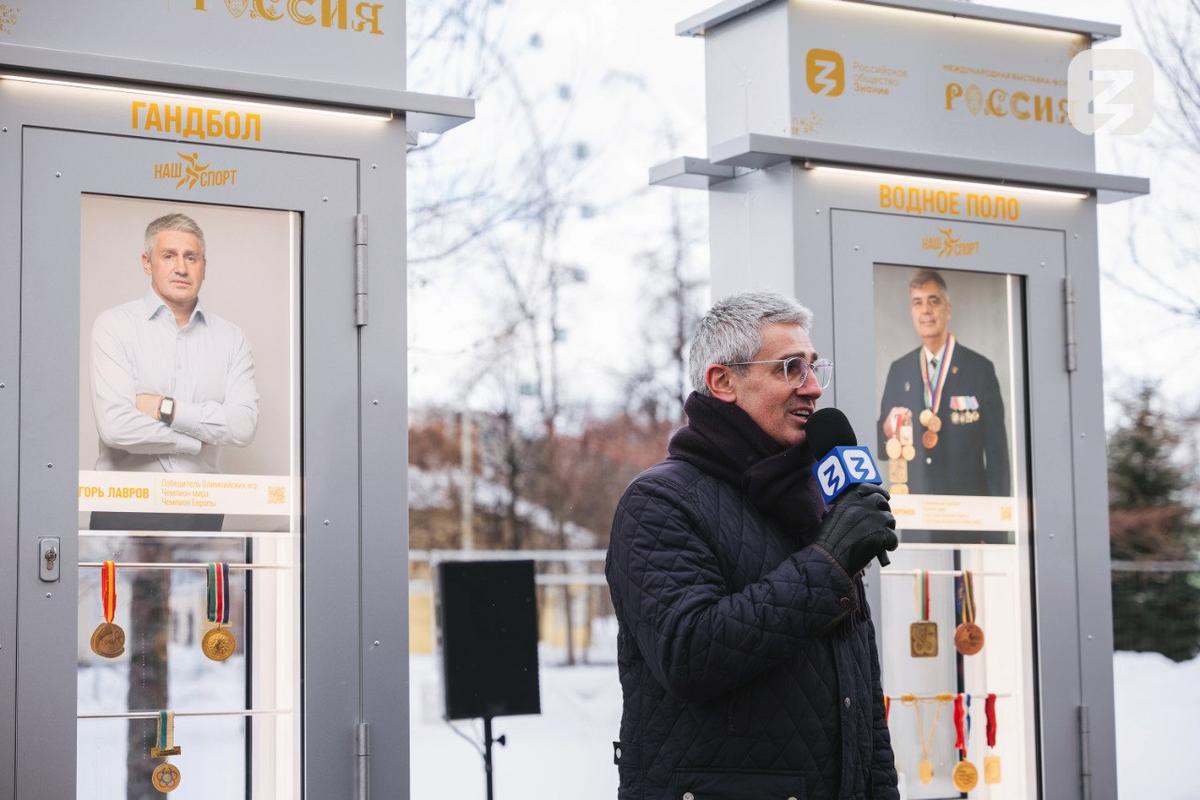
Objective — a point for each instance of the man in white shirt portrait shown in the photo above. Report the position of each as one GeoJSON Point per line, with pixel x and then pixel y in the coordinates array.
{"type": "Point", "coordinates": [172, 382]}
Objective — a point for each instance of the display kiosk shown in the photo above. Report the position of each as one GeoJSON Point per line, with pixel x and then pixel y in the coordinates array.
{"type": "Point", "coordinates": [203, 527]}
{"type": "Point", "coordinates": [908, 170]}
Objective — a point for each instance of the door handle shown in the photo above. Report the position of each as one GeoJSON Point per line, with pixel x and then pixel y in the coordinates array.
{"type": "Point", "coordinates": [48, 561]}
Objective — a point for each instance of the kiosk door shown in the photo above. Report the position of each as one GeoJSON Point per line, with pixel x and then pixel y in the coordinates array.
{"type": "Point", "coordinates": [955, 370]}
{"type": "Point", "coordinates": [181, 462]}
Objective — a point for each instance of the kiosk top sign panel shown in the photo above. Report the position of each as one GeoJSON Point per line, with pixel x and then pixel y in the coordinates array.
{"type": "Point", "coordinates": [350, 42]}
{"type": "Point", "coordinates": [896, 79]}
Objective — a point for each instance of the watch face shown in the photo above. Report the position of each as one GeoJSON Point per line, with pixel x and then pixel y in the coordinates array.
{"type": "Point", "coordinates": [168, 406]}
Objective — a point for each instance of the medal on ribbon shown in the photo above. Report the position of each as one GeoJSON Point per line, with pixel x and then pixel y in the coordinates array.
{"type": "Point", "coordinates": [925, 735]}
{"type": "Point", "coordinates": [964, 775]}
{"type": "Point", "coordinates": [923, 635]}
{"type": "Point", "coordinates": [991, 762]}
{"type": "Point", "coordinates": [893, 446]}
{"type": "Point", "coordinates": [968, 636]}
{"type": "Point", "coordinates": [219, 642]}
{"type": "Point", "coordinates": [934, 385]}
{"type": "Point", "coordinates": [907, 451]}
{"type": "Point", "coordinates": [166, 775]}
{"type": "Point", "coordinates": [108, 640]}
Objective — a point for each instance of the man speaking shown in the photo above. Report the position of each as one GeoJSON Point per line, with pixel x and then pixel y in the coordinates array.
{"type": "Point", "coordinates": [746, 651]}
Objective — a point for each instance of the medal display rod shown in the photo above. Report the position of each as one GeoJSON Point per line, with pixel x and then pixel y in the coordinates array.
{"type": "Point", "coordinates": [234, 712]}
{"type": "Point", "coordinates": [90, 534]}
{"type": "Point", "coordinates": [912, 573]}
{"type": "Point", "coordinates": [181, 565]}
{"type": "Point", "coordinates": [976, 695]}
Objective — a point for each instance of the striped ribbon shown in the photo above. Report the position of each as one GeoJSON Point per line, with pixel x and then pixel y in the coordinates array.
{"type": "Point", "coordinates": [964, 600]}
{"type": "Point", "coordinates": [166, 730]}
{"type": "Point", "coordinates": [989, 709]}
{"type": "Point", "coordinates": [960, 714]}
{"type": "Point", "coordinates": [933, 396]}
{"type": "Point", "coordinates": [108, 589]}
{"type": "Point", "coordinates": [218, 592]}
{"type": "Point", "coordinates": [924, 584]}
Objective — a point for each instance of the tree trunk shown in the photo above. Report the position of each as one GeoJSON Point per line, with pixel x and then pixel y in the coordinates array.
{"type": "Point", "coordinates": [146, 643]}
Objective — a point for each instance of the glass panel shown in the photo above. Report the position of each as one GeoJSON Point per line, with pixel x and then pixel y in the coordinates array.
{"type": "Point", "coordinates": [189, 454]}
{"type": "Point", "coordinates": [950, 372]}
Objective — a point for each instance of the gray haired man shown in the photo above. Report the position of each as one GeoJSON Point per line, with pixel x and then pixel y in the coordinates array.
{"type": "Point", "coordinates": [172, 383]}
{"type": "Point", "coordinates": [745, 646]}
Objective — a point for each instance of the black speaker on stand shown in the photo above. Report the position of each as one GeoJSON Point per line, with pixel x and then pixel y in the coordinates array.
{"type": "Point", "coordinates": [487, 631]}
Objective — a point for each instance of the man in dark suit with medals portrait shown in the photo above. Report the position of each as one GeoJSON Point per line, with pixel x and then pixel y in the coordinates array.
{"type": "Point", "coordinates": [942, 418]}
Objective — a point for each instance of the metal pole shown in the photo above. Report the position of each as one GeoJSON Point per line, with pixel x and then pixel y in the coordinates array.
{"type": "Point", "coordinates": [487, 754]}
{"type": "Point", "coordinates": [466, 445]}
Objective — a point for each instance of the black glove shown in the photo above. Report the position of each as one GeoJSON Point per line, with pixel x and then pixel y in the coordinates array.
{"type": "Point", "coordinates": [859, 527]}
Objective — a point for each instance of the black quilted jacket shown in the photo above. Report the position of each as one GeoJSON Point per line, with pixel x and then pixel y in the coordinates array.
{"type": "Point", "coordinates": [747, 661]}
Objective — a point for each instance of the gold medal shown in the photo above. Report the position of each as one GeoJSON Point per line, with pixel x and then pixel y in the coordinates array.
{"type": "Point", "coordinates": [925, 416]}
{"type": "Point", "coordinates": [935, 422]}
{"type": "Point", "coordinates": [108, 640]}
{"type": "Point", "coordinates": [908, 452]}
{"type": "Point", "coordinates": [991, 762]}
{"type": "Point", "coordinates": [955, 417]}
{"type": "Point", "coordinates": [929, 440]}
{"type": "Point", "coordinates": [165, 777]}
{"type": "Point", "coordinates": [893, 448]}
{"type": "Point", "coordinates": [968, 638]}
{"type": "Point", "coordinates": [897, 471]}
{"type": "Point", "coordinates": [218, 644]}
{"type": "Point", "coordinates": [991, 769]}
{"type": "Point", "coordinates": [898, 488]}
{"type": "Point", "coordinates": [925, 735]}
{"type": "Point", "coordinates": [965, 776]}
{"type": "Point", "coordinates": [922, 635]}
{"type": "Point", "coordinates": [923, 639]}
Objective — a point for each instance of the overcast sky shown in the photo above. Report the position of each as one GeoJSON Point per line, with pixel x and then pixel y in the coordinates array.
{"type": "Point", "coordinates": [629, 75]}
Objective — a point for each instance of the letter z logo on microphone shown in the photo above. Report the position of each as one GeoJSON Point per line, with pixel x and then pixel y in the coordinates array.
{"type": "Point", "coordinates": [843, 467]}
{"type": "Point", "coordinates": [825, 72]}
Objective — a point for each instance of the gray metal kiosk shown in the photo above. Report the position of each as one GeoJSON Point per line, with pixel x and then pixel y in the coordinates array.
{"type": "Point", "coordinates": [874, 158]}
{"type": "Point", "coordinates": [281, 129]}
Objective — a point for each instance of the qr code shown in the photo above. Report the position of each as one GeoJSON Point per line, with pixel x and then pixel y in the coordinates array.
{"type": "Point", "coordinates": [276, 495]}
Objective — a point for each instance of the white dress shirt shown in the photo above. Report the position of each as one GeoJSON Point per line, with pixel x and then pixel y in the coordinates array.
{"type": "Point", "coordinates": [206, 366]}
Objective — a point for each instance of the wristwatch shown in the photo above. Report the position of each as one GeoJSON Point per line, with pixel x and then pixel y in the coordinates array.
{"type": "Point", "coordinates": [166, 410]}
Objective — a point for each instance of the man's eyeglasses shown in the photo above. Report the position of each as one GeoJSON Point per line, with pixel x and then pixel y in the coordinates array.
{"type": "Point", "coordinates": [794, 370]}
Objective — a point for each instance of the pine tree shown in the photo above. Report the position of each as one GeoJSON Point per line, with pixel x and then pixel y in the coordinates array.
{"type": "Point", "coordinates": [1149, 521]}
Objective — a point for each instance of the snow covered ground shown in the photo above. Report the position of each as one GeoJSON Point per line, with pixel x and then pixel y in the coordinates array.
{"type": "Point", "coordinates": [567, 750]}
{"type": "Point", "coordinates": [1158, 726]}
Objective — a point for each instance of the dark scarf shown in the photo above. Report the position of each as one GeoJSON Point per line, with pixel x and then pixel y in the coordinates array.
{"type": "Point", "coordinates": [723, 441]}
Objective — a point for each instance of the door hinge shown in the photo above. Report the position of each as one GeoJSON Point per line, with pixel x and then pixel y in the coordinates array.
{"type": "Point", "coordinates": [1085, 751]}
{"type": "Point", "coordinates": [362, 758]}
{"type": "Point", "coordinates": [1069, 308]}
{"type": "Point", "coordinates": [360, 269]}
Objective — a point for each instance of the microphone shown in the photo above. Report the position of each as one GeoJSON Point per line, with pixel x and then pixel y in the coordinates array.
{"type": "Point", "coordinates": [841, 461]}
